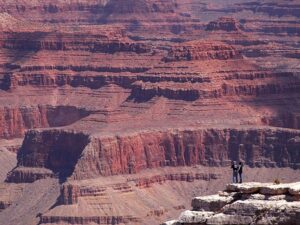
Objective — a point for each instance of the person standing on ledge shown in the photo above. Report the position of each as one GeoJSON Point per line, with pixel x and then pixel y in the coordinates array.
{"type": "Point", "coordinates": [234, 168]}
{"type": "Point", "coordinates": [240, 172]}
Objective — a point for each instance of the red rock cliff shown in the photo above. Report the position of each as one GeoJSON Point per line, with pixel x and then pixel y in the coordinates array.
{"type": "Point", "coordinates": [92, 157]}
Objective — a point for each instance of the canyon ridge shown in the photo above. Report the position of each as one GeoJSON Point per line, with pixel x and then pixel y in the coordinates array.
{"type": "Point", "coordinates": [122, 111]}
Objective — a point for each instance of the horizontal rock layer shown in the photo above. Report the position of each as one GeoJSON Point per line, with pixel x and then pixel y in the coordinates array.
{"type": "Point", "coordinates": [91, 157]}
{"type": "Point", "coordinates": [15, 121]}
{"type": "Point", "coordinates": [240, 208]}
{"type": "Point", "coordinates": [37, 41]}
{"type": "Point", "coordinates": [87, 220]}
{"type": "Point", "coordinates": [71, 192]}
{"type": "Point", "coordinates": [201, 51]}
{"type": "Point", "coordinates": [223, 23]}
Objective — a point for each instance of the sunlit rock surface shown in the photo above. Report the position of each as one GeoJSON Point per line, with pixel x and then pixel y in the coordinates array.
{"type": "Point", "coordinates": [243, 208]}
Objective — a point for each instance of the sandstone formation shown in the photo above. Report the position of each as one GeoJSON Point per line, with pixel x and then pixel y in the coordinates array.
{"type": "Point", "coordinates": [77, 156]}
{"type": "Point", "coordinates": [7, 162]}
{"type": "Point", "coordinates": [120, 111]}
{"type": "Point", "coordinates": [201, 51]}
{"type": "Point", "coordinates": [224, 24]}
{"type": "Point", "coordinates": [262, 203]}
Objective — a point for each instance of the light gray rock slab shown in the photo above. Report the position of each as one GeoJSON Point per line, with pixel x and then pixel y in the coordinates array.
{"type": "Point", "coordinates": [294, 189]}
{"type": "Point", "coordinates": [276, 197]}
{"type": "Point", "coordinates": [253, 196]}
{"type": "Point", "coordinates": [223, 219]}
{"type": "Point", "coordinates": [227, 194]}
{"type": "Point", "coordinates": [246, 188]}
{"type": "Point", "coordinates": [252, 207]}
{"type": "Point", "coordinates": [285, 214]}
{"type": "Point", "coordinates": [275, 189]}
{"type": "Point", "coordinates": [245, 204]}
{"type": "Point", "coordinates": [171, 222]}
{"type": "Point", "coordinates": [194, 217]}
{"type": "Point", "coordinates": [211, 203]}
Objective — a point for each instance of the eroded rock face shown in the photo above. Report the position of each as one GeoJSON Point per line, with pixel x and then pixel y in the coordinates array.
{"type": "Point", "coordinates": [294, 189]}
{"type": "Point", "coordinates": [94, 156]}
{"type": "Point", "coordinates": [244, 209]}
{"type": "Point", "coordinates": [37, 41]}
{"type": "Point", "coordinates": [194, 217]}
{"type": "Point", "coordinates": [201, 51]}
{"type": "Point", "coordinates": [16, 120]}
{"type": "Point", "coordinates": [211, 203]}
{"type": "Point", "coordinates": [223, 24]}
{"type": "Point", "coordinates": [140, 6]}
{"type": "Point", "coordinates": [61, 156]}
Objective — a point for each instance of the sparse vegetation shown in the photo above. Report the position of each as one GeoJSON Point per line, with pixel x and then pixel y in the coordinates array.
{"type": "Point", "coordinates": [276, 181]}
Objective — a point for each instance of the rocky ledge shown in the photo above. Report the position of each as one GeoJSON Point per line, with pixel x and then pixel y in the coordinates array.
{"type": "Point", "coordinates": [224, 24]}
{"type": "Point", "coordinates": [248, 203]}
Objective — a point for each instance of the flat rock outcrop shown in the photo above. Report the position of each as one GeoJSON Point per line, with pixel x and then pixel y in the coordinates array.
{"type": "Point", "coordinates": [223, 24]}
{"type": "Point", "coordinates": [240, 204]}
{"type": "Point", "coordinates": [201, 51]}
{"type": "Point", "coordinates": [140, 6]}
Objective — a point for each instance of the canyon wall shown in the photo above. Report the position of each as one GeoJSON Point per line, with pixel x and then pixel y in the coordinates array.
{"type": "Point", "coordinates": [84, 157]}
{"type": "Point", "coordinates": [15, 121]}
{"type": "Point", "coordinates": [213, 147]}
{"type": "Point", "coordinates": [61, 158]}
{"type": "Point", "coordinates": [35, 41]}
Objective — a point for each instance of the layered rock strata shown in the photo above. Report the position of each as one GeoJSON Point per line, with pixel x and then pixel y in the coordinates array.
{"type": "Point", "coordinates": [83, 157]}
{"type": "Point", "coordinates": [224, 24]}
{"type": "Point", "coordinates": [15, 121]}
{"type": "Point", "coordinates": [249, 203]}
{"type": "Point", "coordinates": [201, 51]}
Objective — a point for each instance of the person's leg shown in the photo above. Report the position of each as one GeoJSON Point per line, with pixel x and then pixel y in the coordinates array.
{"type": "Point", "coordinates": [241, 178]}
{"type": "Point", "coordinates": [234, 177]}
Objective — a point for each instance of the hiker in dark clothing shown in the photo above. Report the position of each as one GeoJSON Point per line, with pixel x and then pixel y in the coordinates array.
{"type": "Point", "coordinates": [240, 172]}
{"type": "Point", "coordinates": [234, 168]}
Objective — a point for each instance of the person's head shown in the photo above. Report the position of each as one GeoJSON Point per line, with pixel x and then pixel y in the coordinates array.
{"type": "Point", "coordinates": [241, 163]}
{"type": "Point", "coordinates": [234, 162]}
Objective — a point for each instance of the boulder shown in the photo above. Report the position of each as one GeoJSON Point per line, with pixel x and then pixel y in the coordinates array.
{"type": "Point", "coordinates": [223, 219]}
{"type": "Point", "coordinates": [277, 197]}
{"type": "Point", "coordinates": [295, 189]}
{"type": "Point", "coordinates": [211, 202]}
{"type": "Point", "coordinates": [194, 217]}
{"type": "Point", "coordinates": [261, 207]}
{"type": "Point", "coordinates": [282, 213]}
{"type": "Point", "coordinates": [275, 189]}
{"type": "Point", "coordinates": [244, 204]}
{"type": "Point", "coordinates": [246, 207]}
{"type": "Point", "coordinates": [247, 188]}
{"type": "Point", "coordinates": [223, 24]}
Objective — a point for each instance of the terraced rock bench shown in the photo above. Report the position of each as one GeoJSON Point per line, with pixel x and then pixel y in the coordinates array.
{"type": "Point", "coordinates": [246, 204]}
